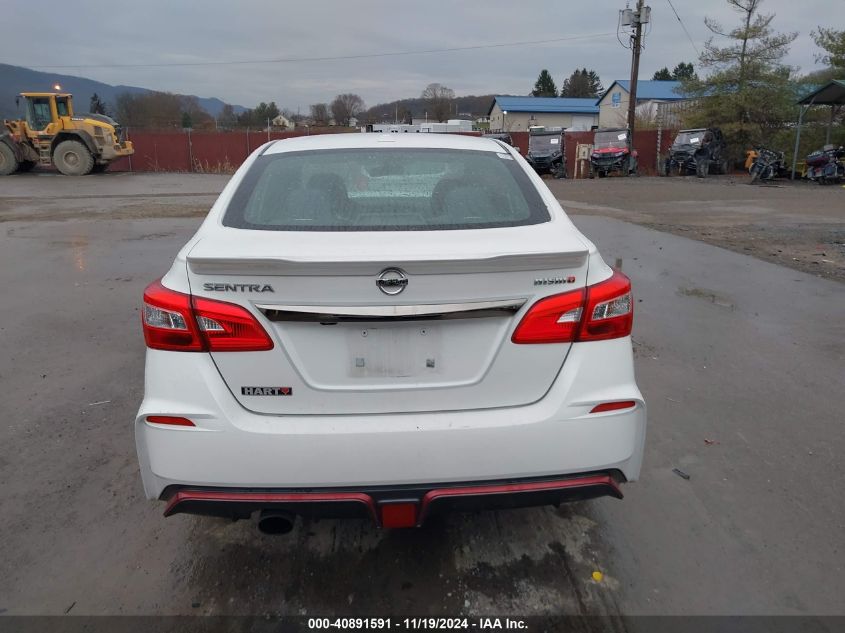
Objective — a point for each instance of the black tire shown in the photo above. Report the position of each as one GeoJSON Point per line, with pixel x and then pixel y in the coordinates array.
{"type": "Point", "coordinates": [723, 167]}
{"type": "Point", "coordinates": [756, 170]}
{"type": "Point", "coordinates": [72, 158]}
{"type": "Point", "coordinates": [25, 166]}
{"type": "Point", "coordinates": [602, 174]}
{"type": "Point", "coordinates": [8, 160]}
{"type": "Point", "coordinates": [667, 167]}
{"type": "Point", "coordinates": [702, 168]}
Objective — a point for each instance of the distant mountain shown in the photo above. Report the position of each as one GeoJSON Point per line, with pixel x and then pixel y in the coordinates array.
{"type": "Point", "coordinates": [471, 106]}
{"type": "Point", "coordinates": [17, 79]}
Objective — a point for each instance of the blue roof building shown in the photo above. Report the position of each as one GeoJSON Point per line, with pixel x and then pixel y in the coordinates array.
{"type": "Point", "coordinates": [613, 104]}
{"type": "Point", "coordinates": [517, 114]}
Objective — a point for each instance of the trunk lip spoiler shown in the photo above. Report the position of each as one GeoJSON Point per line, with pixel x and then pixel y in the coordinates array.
{"type": "Point", "coordinates": [322, 313]}
{"type": "Point", "coordinates": [512, 262]}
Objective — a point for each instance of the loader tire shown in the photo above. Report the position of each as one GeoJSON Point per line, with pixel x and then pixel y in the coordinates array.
{"type": "Point", "coordinates": [72, 158]}
{"type": "Point", "coordinates": [8, 160]}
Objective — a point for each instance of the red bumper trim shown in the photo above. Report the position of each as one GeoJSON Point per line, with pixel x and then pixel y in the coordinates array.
{"type": "Point", "coordinates": [385, 512]}
{"type": "Point", "coordinates": [508, 489]}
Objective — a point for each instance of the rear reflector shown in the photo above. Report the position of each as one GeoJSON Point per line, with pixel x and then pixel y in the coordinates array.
{"type": "Point", "coordinates": [613, 406]}
{"type": "Point", "coordinates": [398, 515]}
{"type": "Point", "coordinates": [602, 311]}
{"type": "Point", "coordinates": [169, 419]}
{"type": "Point", "coordinates": [178, 322]}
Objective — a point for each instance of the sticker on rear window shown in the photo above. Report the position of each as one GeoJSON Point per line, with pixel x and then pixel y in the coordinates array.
{"type": "Point", "coordinates": [553, 141]}
{"type": "Point", "coordinates": [622, 137]}
{"type": "Point", "coordinates": [266, 391]}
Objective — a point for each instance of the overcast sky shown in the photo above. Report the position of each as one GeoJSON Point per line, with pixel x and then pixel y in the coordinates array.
{"type": "Point", "coordinates": [169, 31]}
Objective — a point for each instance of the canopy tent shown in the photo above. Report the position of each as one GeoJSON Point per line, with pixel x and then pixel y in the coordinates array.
{"type": "Point", "coordinates": [832, 94]}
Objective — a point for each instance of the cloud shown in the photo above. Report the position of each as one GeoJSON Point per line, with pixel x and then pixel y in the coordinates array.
{"type": "Point", "coordinates": [161, 31]}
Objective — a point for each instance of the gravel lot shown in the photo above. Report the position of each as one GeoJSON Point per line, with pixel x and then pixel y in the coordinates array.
{"type": "Point", "coordinates": [799, 225]}
{"type": "Point", "coordinates": [740, 361]}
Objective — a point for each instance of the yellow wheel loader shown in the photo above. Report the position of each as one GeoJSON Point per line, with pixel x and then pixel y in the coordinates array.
{"type": "Point", "coordinates": [52, 134]}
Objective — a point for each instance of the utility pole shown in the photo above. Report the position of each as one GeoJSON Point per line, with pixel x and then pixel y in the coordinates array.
{"type": "Point", "coordinates": [636, 46]}
{"type": "Point", "coordinates": [635, 19]}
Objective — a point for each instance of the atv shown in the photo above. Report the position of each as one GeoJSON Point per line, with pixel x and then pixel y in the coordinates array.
{"type": "Point", "coordinates": [697, 152]}
{"type": "Point", "coordinates": [547, 151]}
{"type": "Point", "coordinates": [612, 152]}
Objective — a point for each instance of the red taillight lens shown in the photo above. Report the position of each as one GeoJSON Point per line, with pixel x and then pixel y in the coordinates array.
{"type": "Point", "coordinates": [555, 319]}
{"type": "Point", "coordinates": [177, 322]}
{"type": "Point", "coordinates": [599, 312]}
{"type": "Point", "coordinates": [230, 328]}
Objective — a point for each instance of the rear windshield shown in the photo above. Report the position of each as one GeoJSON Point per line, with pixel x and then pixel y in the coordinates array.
{"type": "Point", "coordinates": [385, 190]}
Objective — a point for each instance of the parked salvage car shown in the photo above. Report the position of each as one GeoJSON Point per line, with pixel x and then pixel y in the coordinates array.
{"type": "Point", "coordinates": [698, 151]}
{"type": "Point", "coordinates": [612, 152]}
{"type": "Point", "coordinates": [386, 327]}
{"type": "Point", "coordinates": [547, 151]}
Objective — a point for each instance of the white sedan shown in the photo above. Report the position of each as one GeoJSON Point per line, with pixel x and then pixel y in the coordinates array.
{"type": "Point", "coordinates": [386, 326]}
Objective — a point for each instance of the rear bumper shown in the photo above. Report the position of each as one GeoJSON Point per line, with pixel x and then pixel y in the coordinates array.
{"type": "Point", "coordinates": [232, 448]}
{"type": "Point", "coordinates": [418, 503]}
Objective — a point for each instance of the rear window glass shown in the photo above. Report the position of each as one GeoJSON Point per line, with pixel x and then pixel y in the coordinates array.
{"type": "Point", "coordinates": [385, 190]}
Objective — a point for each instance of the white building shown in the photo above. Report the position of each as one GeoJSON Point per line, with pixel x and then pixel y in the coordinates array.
{"type": "Point", "coordinates": [651, 96]}
{"type": "Point", "coordinates": [517, 114]}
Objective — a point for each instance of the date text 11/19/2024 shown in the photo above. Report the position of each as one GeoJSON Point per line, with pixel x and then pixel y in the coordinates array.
{"type": "Point", "coordinates": [417, 624]}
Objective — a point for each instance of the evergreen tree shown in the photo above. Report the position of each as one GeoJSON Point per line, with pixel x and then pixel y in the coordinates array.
{"type": "Point", "coordinates": [544, 86]}
{"type": "Point", "coordinates": [582, 83]}
{"type": "Point", "coordinates": [97, 105]}
{"type": "Point", "coordinates": [683, 71]}
{"type": "Point", "coordinates": [748, 93]}
{"type": "Point", "coordinates": [833, 43]}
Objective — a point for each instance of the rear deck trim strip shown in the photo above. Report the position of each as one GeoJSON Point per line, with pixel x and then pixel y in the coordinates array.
{"type": "Point", "coordinates": [476, 309]}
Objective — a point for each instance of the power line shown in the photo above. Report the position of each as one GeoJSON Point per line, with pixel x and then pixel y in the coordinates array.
{"type": "Point", "coordinates": [291, 60]}
{"type": "Point", "coordinates": [689, 37]}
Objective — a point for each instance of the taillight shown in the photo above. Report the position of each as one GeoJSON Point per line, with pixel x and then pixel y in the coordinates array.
{"type": "Point", "coordinates": [555, 319]}
{"type": "Point", "coordinates": [599, 312]}
{"type": "Point", "coordinates": [230, 328]}
{"type": "Point", "coordinates": [610, 309]}
{"type": "Point", "coordinates": [168, 320]}
{"type": "Point", "coordinates": [178, 322]}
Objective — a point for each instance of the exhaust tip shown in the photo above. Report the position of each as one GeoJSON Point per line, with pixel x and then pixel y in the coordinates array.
{"type": "Point", "coordinates": [275, 522]}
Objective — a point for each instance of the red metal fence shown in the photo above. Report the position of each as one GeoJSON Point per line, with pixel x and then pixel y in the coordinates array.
{"type": "Point", "coordinates": [645, 142]}
{"type": "Point", "coordinates": [223, 152]}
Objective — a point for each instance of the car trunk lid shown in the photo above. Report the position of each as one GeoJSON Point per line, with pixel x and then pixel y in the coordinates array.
{"type": "Point", "coordinates": [344, 344]}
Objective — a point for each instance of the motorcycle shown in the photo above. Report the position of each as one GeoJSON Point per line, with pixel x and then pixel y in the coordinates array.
{"type": "Point", "coordinates": [827, 165]}
{"type": "Point", "coordinates": [767, 165]}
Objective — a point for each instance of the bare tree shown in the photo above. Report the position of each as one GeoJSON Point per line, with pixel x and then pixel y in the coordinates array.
{"type": "Point", "coordinates": [345, 107]}
{"type": "Point", "coordinates": [439, 100]}
{"type": "Point", "coordinates": [320, 114]}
